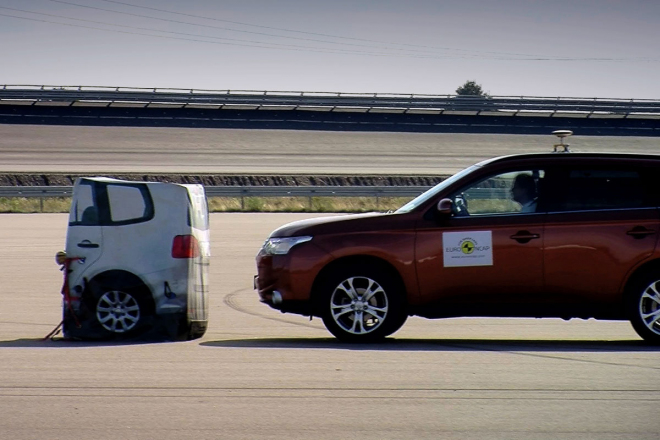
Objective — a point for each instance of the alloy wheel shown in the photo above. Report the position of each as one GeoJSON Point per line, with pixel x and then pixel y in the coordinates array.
{"type": "Point", "coordinates": [117, 311]}
{"type": "Point", "coordinates": [359, 305]}
{"type": "Point", "coordinates": [649, 307]}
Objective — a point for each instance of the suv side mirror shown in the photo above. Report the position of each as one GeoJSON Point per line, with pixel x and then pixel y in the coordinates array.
{"type": "Point", "coordinates": [444, 207]}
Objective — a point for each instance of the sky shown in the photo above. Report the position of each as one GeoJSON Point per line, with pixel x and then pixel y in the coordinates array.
{"type": "Point", "coordinates": [568, 48]}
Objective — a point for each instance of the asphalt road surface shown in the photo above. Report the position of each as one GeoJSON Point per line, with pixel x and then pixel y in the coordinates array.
{"type": "Point", "coordinates": [260, 374]}
{"type": "Point", "coordinates": [72, 149]}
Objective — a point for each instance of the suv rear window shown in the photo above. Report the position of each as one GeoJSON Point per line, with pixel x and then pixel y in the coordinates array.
{"type": "Point", "coordinates": [595, 189]}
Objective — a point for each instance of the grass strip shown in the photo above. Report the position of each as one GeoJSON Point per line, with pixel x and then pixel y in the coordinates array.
{"type": "Point", "coordinates": [28, 205]}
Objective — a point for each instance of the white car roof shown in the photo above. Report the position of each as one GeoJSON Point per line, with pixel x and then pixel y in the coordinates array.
{"type": "Point", "coordinates": [113, 180]}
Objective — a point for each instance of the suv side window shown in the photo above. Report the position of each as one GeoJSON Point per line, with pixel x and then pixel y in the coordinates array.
{"type": "Point", "coordinates": [129, 203]}
{"type": "Point", "coordinates": [587, 189]}
{"type": "Point", "coordinates": [514, 192]}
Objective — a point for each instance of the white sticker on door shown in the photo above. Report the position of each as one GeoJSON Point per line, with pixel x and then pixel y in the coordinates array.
{"type": "Point", "coordinates": [469, 248]}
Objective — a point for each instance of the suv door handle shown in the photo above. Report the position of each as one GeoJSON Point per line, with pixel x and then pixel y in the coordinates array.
{"type": "Point", "coordinates": [640, 232]}
{"type": "Point", "coordinates": [87, 244]}
{"type": "Point", "coordinates": [524, 236]}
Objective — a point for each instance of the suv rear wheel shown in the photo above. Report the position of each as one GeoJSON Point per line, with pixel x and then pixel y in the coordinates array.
{"type": "Point", "coordinates": [362, 304]}
{"type": "Point", "coordinates": [644, 308]}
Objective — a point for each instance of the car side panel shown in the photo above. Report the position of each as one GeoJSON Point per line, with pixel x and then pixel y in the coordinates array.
{"type": "Point", "coordinates": [516, 273]}
{"type": "Point", "coordinates": [588, 254]}
{"type": "Point", "coordinates": [396, 247]}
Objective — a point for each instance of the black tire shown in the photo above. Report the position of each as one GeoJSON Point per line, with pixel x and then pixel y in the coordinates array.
{"type": "Point", "coordinates": [119, 311]}
{"type": "Point", "coordinates": [362, 303]}
{"type": "Point", "coordinates": [197, 329]}
{"type": "Point", "coordinates": [643, 307]}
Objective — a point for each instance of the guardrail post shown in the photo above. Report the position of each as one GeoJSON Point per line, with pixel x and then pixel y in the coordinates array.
{"type": "Point", "coordinates": [41, 204]}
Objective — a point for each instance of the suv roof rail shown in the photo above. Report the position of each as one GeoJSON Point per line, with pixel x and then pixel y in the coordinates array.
{"type": "Point", "coordinates": [561, 134]}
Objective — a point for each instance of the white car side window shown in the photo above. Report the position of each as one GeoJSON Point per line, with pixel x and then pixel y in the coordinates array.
{"type": "Point", "coordinates": [126, 203]}
{"type": "Point", "coordinates": [84, 212]}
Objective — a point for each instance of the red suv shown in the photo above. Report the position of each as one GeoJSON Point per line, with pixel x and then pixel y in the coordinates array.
{"type": "Point", "coordinates": [568, 235]}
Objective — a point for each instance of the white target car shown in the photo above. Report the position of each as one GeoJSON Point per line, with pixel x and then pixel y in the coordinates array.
{"type": "Point", "coordinates": [137, 260]}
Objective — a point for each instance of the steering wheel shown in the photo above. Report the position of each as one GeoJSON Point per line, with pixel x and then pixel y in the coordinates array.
{"type": "Point", "coordinates": [460, 206]}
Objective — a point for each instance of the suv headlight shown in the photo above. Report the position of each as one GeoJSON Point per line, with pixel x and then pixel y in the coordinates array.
{"type": "Point", "coordinates": [282, 246]}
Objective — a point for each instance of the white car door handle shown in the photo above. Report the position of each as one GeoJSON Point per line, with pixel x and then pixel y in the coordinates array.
{"type": "Point", "coordinates": [87, 244]}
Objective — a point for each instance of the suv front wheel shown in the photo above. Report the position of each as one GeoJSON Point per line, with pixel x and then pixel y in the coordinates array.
{"type": "Point", "coordinates": [362, 304]}
{"type": "Point", "coordinates": [644, 308]}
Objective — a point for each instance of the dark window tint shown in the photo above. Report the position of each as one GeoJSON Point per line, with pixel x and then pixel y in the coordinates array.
{"type": "Point", "coordinates": [592, 189]}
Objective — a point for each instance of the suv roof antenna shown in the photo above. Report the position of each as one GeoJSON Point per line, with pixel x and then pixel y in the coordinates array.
{"type": "Point", "coordinates": [561, 134]}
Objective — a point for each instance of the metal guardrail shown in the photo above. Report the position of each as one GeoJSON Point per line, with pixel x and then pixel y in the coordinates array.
{"type": "Point", "coordinates": [36, 191]}
{"type": "Point", "coordinates": [271, 191]}
{"type": "Point", "coordinates": [242, 192]}
{"type": "Point", "coordinates": [320, 101]}
{"type": "Point", "coordinates": [315, 191]}
{"type": "Point", "coordinates": [245, 191]}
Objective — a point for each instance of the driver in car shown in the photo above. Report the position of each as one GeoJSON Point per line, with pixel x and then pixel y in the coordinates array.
{"type": "Point", "coordinates": [523, 191]}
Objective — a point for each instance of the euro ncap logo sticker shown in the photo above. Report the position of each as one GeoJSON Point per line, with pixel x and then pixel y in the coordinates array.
{"type": "Point", "coordinates": [467, 247]}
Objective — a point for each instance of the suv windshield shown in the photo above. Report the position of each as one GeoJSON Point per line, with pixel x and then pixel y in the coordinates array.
{"type": "Point", "coordinates": [423, 198]}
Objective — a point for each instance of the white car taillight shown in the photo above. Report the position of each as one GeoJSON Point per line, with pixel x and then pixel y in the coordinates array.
{"type": "Point", "coordinates": [185, 246]}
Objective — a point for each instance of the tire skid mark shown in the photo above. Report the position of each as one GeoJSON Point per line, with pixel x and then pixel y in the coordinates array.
{"type": "Point", "coordinates": [231, 300]}
{"type": "Point", "coordinates": [27, 323]}
{"type": "Point", "coordinates": [554, 357]}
